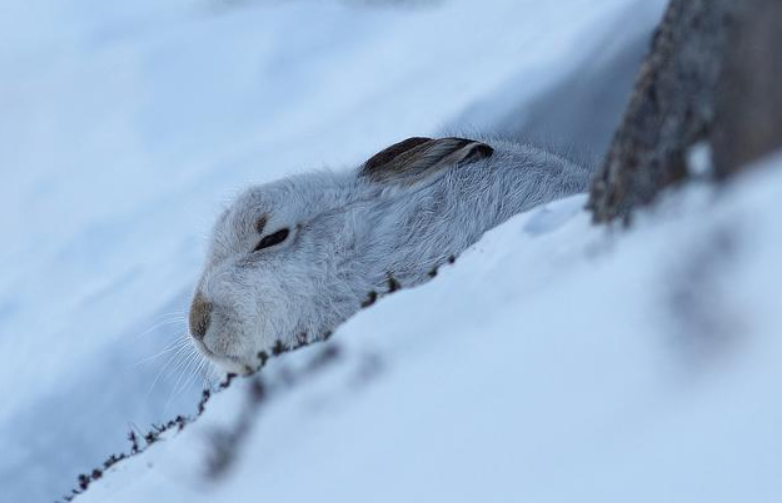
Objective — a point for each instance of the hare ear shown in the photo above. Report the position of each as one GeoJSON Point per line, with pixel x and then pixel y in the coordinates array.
{"type": "Point", "coordinates": [415, 159]}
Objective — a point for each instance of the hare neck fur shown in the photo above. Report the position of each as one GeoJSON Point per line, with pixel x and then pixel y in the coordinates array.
{"type": "Point", "coordinates": [400, 236]}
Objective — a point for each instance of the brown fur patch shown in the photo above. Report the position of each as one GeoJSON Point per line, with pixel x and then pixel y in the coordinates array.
{"type": "Point", "coordinates": [200, 312]}
{"type": "Point", "coordinates": [260, 224]}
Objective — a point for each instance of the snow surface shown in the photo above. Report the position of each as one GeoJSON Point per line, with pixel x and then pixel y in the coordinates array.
{"type": "Point", "coordinates": [553, 362]}
{"type": "Point", "coordinates": [582, 366]}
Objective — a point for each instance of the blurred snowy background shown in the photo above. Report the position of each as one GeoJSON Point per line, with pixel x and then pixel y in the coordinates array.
{"type": "Point", "coordinates": [552, 362]}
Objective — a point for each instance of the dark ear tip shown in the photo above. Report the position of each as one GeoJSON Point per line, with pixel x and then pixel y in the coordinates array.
{"type": "Point", "coordinates": [479, 151]}
{"type": "Point", "coordinates": [484, 150]}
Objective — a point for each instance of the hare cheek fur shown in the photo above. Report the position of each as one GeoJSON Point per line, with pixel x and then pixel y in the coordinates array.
{"type": "Point", "coordinates": [358, 234]}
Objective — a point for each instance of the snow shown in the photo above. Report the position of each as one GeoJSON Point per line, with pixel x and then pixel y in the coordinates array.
{"type": "Point", "coordinates": [554, 361]}
{"type": "Point", "coordinates": [561, 381]}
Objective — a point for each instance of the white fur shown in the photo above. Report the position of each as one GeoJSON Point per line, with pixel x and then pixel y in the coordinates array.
{"type": "Point", "coordinates": [348, 236]}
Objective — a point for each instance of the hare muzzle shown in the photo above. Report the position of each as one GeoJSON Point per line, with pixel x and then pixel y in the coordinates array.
{"type": "Point", "coordinates": [200, 315]}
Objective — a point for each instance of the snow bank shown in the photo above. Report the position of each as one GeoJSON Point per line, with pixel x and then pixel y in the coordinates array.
{"type": "Point", "coordinates": [553, 362]}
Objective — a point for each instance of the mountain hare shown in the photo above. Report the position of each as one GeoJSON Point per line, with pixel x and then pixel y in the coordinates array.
{"type": "Point", "coordinates": [290, 260]}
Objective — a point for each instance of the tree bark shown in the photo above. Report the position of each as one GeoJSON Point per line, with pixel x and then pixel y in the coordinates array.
{"type": "Point", "coordinates": [749, 99]}
{"type": "Point", "coordinates": [713, 76]}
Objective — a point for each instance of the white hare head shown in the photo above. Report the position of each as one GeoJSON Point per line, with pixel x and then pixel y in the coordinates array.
{"type": "Point", "coordinates": [264, 268]}
{"type": "Point", "coordinates": [290, 260]}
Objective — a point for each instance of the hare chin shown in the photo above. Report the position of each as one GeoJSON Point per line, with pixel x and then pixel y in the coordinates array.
{"type": "Point", "coordinates": [229, 364]}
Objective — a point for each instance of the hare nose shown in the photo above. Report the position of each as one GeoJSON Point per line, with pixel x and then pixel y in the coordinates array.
{"type": "Point", "coordinates": [200, 314]}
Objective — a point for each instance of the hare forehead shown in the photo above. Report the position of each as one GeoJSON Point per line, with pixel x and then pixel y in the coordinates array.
{"type": "Point", "coordinates": [249, 207]}
{"type": "Point", "coordinates": [229, 236]}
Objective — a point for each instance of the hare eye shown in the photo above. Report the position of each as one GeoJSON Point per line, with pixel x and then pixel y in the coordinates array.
{"type": "Point", "coordinates": [273, 239]}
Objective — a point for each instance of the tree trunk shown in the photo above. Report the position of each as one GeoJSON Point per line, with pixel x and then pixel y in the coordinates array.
{"type": "Point", "coordinates": [749, 100]}
{"type": "Point", "coordinates": [714, 75]}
